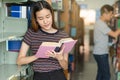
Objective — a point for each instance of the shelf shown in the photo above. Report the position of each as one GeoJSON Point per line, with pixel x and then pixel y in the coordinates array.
{"type": "Point", "coordinates": [57, 5]}
{"type": "Point", "coordinates": [9, 35]}
{"type": "Point", "coordinates": [11, 1]}
{"type": "Point", "coordinates": [9, 70]}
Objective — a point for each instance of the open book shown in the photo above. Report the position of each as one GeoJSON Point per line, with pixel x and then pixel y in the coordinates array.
{"type": "Point", "coordinates": [68, 43]}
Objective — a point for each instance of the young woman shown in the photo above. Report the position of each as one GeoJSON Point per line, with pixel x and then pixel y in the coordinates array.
{"type": "Point", "coordinates": [43, 29]}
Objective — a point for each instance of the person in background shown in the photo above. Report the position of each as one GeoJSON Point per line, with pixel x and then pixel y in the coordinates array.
{"type": "Point", "coordinates": [101, 50]}
{"type": "Point", "coordinates": [43, 29]}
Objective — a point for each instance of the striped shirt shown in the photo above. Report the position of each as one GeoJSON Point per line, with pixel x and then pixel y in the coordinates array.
{"type": "Point", "coordinates": [34, 40]}
{"type": "Point", "coordinates": [101, 38]}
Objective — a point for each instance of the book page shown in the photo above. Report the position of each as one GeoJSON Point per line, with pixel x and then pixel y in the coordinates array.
{"type": "Point", "coordinates": [63, 40]}
{"type": "Point", "coordinates": [51, 44]}
{"type": "Point", "coordinates": [68, 46]}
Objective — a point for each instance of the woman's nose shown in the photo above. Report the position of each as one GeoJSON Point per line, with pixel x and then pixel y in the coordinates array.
{"type": "Point", "coordinates": [45, 20]}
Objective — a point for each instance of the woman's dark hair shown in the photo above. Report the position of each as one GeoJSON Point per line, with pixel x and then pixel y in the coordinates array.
{"type": "Point", "coordinates": [106, 8]}
{"type": "Point", "coordinates": [37, 6]}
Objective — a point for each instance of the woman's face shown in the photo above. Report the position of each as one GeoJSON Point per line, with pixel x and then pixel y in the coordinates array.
{"type": "Point", "coordinates": [44, 19]}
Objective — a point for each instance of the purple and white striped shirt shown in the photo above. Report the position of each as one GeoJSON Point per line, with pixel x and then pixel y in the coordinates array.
{"type": "Point", "coordinates": [34, 40]}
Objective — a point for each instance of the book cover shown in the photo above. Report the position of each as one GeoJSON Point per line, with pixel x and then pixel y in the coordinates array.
{"type": "Point", "coordinates": [48, 46]}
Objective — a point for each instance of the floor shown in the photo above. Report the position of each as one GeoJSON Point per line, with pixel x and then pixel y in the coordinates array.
{"type": "Point", "coordinates": [88, 71]}
{"type": "Point", "coordinates": [86, 67]}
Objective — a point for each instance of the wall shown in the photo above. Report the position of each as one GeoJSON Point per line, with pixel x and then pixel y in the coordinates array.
{"type": "Point", "coordinates": [95, 4]}
{"type": "Point", "coordinates": [0, 21]}
{"type": "Point", "coordinates": [1, 35]}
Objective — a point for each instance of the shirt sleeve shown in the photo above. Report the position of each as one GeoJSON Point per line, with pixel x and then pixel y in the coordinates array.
{"type": "Point", "coordinates": [104, 28]}
{"type": "Point", "coordinates": [27, 37]}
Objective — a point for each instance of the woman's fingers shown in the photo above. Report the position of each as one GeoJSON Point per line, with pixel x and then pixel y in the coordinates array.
{"type": "Point", "coordinates": [51, 54]}
{"type": "Point", "coordinates": [55, 54]}
{"type": "Point", "coordinates": [62, 49]}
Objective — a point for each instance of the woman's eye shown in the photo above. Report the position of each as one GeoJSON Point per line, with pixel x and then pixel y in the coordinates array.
{"type": "Point", "coordinates": [40, 18]}
{"type": "Point", "coordinates": [47, 16]}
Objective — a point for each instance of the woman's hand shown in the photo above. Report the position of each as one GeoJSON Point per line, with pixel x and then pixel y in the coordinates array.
{"type": "Point", "coordinates": [60, 56]}
{"type": "Point", "coordinates": [57, 55]}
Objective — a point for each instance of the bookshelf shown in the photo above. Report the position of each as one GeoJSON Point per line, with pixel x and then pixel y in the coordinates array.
{"type": "Point", "coordinates": [57, 4]}
{"type": "Point", "coordinates": [10, 28]}
{"type": "Point", "coordinates": [115, 48]}
{"type": "Point", "coordinates": [12, 70]}
{"type": "Point", "coordinates": [12, 1]}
